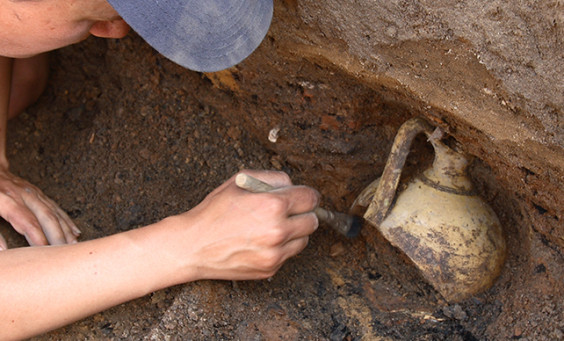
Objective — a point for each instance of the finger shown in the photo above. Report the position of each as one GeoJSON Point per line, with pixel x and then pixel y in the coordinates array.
{"type": "Point", "coordinates": [47, 219]}
{"type": "Point", "coordinates": [70, 237]}
{"type": "Point", "coordinates": [3, 244]}
{"type": "Point", "coordinates": [75, 230]}
{"type": "Point", "coordinates": [271, 260]}
{"type": "Point", "coordinates": [294, 247]}
{"type": "Point", "coordinates": [302, 225]}
{"type": "Point", "coordinates": [70, 230]}
{"type": "Point", "coordinates": [300, 199]}
{"type": "Point", "coordinates": [22, 220]}
{"type": "Point", "coordinates": [56, 215]}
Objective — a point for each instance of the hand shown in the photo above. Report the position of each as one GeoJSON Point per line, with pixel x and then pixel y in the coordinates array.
{"type": "Point", "coordinates": [239, 235]}
{"type": "Point", "coordinates": [32, 213]}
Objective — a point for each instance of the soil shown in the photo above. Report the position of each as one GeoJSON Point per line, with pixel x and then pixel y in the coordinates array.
{"type": "Point", "coordinates": [123, 138]}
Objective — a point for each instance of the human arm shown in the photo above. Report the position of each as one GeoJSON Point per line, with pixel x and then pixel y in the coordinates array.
{"type": "Point", "coordinates": [23, 205]}
{"type": "Point", "coordinates": [5, 86]}
{"type": "Point", "coordinates": [233, 234]}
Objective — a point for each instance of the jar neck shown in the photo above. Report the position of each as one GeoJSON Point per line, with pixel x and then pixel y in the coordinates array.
{"type": "Point", "coordinates": [449, 169]}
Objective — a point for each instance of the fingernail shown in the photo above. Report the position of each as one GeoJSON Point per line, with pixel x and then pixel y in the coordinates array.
{"type": "Point", "coordinates": [76, 231]}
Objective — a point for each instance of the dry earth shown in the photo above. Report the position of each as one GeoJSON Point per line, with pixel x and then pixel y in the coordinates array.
{"type": "Point", "coordinates": [123, 138]}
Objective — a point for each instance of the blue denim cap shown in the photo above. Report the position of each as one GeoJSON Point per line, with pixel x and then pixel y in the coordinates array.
{"type": "Point", "coordinates": [201, 35]}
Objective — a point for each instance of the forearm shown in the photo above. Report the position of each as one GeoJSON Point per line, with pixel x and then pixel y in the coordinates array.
{"type": "Point", "coordinates": [5, 86]}
{"type": "Point", "coordinates": [48, 287]}
{"type": "Point", "coordinates": [233, 234]}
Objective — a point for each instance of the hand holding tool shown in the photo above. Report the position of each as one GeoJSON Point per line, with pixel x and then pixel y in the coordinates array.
{"type": "Point", "coordinates": [345, 224]}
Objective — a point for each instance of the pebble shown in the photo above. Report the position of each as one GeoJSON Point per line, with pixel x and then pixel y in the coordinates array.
{"type": "Point", "coordinates": [274, 134]}
{"type": "Point", "coordinates": [455, 312]}
{"type": "Point", "coordinates": [337, 249]}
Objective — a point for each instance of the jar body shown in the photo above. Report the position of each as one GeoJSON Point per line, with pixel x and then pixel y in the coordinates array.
{"type": "Point", "coordinates": [455, 239]}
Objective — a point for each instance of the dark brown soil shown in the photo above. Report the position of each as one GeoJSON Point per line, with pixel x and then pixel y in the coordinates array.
{"type": "Point", "coordinates": [123, 138]}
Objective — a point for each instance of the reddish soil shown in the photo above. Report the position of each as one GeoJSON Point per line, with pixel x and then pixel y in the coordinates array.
{"type": "Point", "coordinates": [123, 138]}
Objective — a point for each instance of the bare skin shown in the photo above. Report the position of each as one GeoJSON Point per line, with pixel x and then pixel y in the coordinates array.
{"type": "Point", "coordinates": [28, 28]}
{"type": "Point", "coordinates": [24, 206]}
{"type": "Point", "coordinates": [29, 79]}
{"type": "Point", "coordinates": [233, 234]}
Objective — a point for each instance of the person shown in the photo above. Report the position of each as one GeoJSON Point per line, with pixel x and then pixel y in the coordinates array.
{"type": "Point", "coordinates": [232, 234]}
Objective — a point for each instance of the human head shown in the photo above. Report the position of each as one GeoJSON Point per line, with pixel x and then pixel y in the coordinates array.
{"type": "Point", "coordinates": [202, 35]}
{"type": "Point", "coordinates": [30, 27]}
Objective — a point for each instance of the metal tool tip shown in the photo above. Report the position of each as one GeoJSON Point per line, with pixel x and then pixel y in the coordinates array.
{"type": "Point", "coordinates": [356, 226]}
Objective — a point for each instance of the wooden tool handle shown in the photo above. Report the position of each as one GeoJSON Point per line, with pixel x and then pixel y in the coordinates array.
{"type": "Point", "coordinates": [254, 185]}
{"type": "Point", "coordinates": [342, 223]}
{"type": "Point", "coordinates": [251, 184]}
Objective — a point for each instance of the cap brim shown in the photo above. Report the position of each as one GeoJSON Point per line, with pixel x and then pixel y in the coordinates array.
{"type": "Point", "coordinates": [202, 35]}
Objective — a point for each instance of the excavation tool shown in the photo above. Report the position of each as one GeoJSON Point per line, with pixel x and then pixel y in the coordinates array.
{"type": "Point", "coordinates": [452, 236]}
{"type": "Point", "coordinates": [345, 224]}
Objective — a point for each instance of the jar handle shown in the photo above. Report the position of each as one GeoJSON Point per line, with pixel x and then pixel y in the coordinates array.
{"type": "Point", "coordinates": [386, 191]}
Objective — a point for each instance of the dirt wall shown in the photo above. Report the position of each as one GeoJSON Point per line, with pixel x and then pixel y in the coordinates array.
{"type": "Point", "coordinates": [342, 76]}
{"type": "Point", "coordinates": [123, 137]}
{"type": "Point", "coordinates": [490, 75]}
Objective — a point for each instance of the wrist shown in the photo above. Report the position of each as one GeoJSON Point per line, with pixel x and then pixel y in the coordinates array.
{"type": "Point", "coordinates": [183, 244]}
{"type": "Point", "coordinates": [168, 246]}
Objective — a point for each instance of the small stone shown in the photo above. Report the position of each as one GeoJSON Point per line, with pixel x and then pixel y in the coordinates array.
{"type": "Point", "coordinates": [276, 309]}
{"type": "Point", "coordinates": [145, 153]}
{"type": "Point", "coordinates": [234, 132]}
{"type": "Point", "coordinates": [192, 315]}
{"type": "Point", "coordinates": [455, 312]}
{"type": "Point", "coordinates": [275, 161]}
{"type": "Point", "coordinates": [518, 331]}
{"type": "Point", "coordinates": [274, 134]}
{"type": "Point", "coordinates": [459, 313]}
{"type": "Point", "coordinates": [337, 250]}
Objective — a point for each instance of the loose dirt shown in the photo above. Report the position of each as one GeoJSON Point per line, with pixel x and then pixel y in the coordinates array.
{"type": "Point", "coordinates": [123, 138]}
